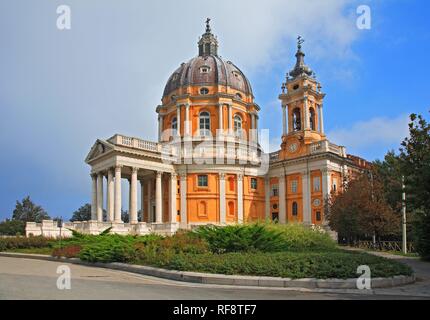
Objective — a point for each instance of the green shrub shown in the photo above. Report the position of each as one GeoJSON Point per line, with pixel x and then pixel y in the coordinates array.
{"type": "Point", "coordinates": [24, 243]}
{"type": "Point", "coordinates": [12, 228]}
{"type": "Point", "coordinates": [422, 235]}
{"type": "Point", "coordinates": [236, 238]}
{"type": "Point", "coordinates": [294, 265]}
{"type": "Point", "coordinates": [297, 237]}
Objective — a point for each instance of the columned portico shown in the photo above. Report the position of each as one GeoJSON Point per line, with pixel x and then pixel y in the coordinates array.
{"type": "Point", "coordinates": [149, 203]}
{"type": "Point", "coordinates": [142, 199]}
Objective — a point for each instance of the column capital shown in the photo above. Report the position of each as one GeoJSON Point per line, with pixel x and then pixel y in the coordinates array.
{"type": "Point", "coordinates": [93, 175]}
{"type": "Point", "coordinates": [222, 176]}
{"type": "Point", "coordinates": [183, 176]}
{"type": "Point", "coordinates": [134, 170]}
{"type": "Point", "coordinates": [173, 175]}
{"type": "Point", "coordinates": [281, 177]}
{"type": "Point", "coordinates": [159, 174]}
{"type": "Point", "coordinates": [240, 177]}
{"type": "Point", "coordinates": [118, 167]}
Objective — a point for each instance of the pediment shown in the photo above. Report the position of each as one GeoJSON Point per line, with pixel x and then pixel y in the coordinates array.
{"type": "Point", "coordinates": [99, 148]}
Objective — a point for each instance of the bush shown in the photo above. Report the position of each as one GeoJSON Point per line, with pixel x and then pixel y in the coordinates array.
{"type": "Point", "coordinates": [72, 251]}
{"type": "Point", "coordinates": [107, 248]}
{"type": "Point", "coordinates": [297, 237]}
{"type": "Point", "coordinates": [236, 238]}
{"type": "Point", "coordinates": [12, 228]}
{"type": "Point", "coordinates": [293, 265]}
{"type": "Point", "coordinates": [25, 243]}
{"type": "Point", "coordinates": [422, 235]}
{"type": "Point", "coordinates": [265, 237]}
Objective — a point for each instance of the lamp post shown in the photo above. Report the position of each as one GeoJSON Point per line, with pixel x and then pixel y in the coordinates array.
{"type": "Point", "coordinates": [404, 235]}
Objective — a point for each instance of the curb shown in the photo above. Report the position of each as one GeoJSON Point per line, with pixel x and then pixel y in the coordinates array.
{"type": "Point", "coordinates": [230, 280]}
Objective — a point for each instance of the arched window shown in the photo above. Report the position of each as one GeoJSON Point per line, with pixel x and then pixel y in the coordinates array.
{"type": "Point", "coordinates": [205, 124]}
{"type": "Point", "coordinates": [174, 126]}
{"type": "Point", "coordinates": [297, 120]}
{"type": "Point", "coordinates": [238, 125]}
{"type": "Point", "coordinates": [204, 91]}
{"type": "Point", "coordinates": [312, 119]}
{"type": "Point", "coordinates": [295, 209]}
{"type": "Point", "coordinates": [238, 96]}
{"type": "Point", "coordinates": [231, 208]}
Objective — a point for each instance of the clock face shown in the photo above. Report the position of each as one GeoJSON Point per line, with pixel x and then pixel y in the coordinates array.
{"type": "Point", "coordinates": [293, 147]}
{"type": "Point", "coordinates": [317, 202]}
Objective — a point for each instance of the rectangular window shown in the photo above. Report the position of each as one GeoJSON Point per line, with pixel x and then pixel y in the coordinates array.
{"type": "Point", "coordinates": [179, 212]}
{"type": "Point", "coordinates": [203, 181]}
{"type": "Point", "coordinates": [317, 184]}
{"type": "Point", "coordinates": [275, 190]}
{"type": "Point", "coordinates": [253, 183]}
{"type": "Point", "coordinates": [318, 216]}
{"type": "Point", "coordinates": [294, 185]}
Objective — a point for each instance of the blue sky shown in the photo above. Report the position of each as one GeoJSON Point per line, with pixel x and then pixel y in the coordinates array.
{"type": "Point", "coordinates": [61, 90]}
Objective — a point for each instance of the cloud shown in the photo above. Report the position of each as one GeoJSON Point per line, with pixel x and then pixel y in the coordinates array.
{"type": "Point", "coordinates": [374, 136]}
{"type": "Point", "coordinates": [61, 90]}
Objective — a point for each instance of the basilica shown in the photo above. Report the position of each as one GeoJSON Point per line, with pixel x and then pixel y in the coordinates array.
{"type": "Point", "coordinates": [208, 166]}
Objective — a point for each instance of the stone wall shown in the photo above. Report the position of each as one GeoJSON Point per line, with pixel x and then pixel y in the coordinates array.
{"type": "Point", "coordinates": [49, 228]}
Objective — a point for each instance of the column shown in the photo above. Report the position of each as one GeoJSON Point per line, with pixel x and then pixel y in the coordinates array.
{"type": "Point", "coordinates": [252, 135]}
{"type": "Point", "coordinates": [284, 120]}
{"type": "Point", "coordinates": [230, 119]}
{"type": "Point", "coordinates": [282, 200]}
{"type": "Point", "coordinates": [178, 116]}
{"type": "Point", "coordinates": [172, 197]}
{"type": "Point", "coordinates": [187, 120]}
{"type": "Point", "coordinates": [306, 113]}
{"type": "Point", "coordinates": [158, 199]}
{"type": "Point", "coordinates": [220, 119]}
{"type": "Point", "coordinates": [267, 196]}
{"type": "Point", "coordinates": [326, 187]}
{"type": "Point", "coordinates": [110, 196]}
{"type": "Point", "coordinates": [306, 192]}
{"type": "Point", "coordinates": [133, 196]}
{"type": "Point", "coordinates": [100, 197]}
{"type": "Point", "coordinates": [142, 199]}
{"type": "Point", "coordinates": [321, 119]}
{"type": "Point", "coordinates": [184, 215]}
{"type": "Point", "coordinates": [149, 204]}
{"type": "Point", "coordinates": [118, 204]}
{"type": "Point", "coordinates": [94, 197]}
{"type": "Point", "coordinates": [160, 127]}
{"type": "Point", "coordinates": [222, 204]}
{"type": "Point", "coordinates": [240, 198]}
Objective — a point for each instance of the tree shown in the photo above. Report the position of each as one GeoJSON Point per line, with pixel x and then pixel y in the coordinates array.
{"type": "Point", "coordinates": [82, 214]}
{"type": "Point", "coordinates": [361, 209]}
{"type": "Point", "coordinates": [12, 228]}
{"type": "Point", "coordinates": [390, 173]}
{"type": "Point", "coordinates": [125, 216]}
{"type": "Point", "coordinates": [27, 211]}
{"type": "Point", "coordinates": [415, 154]}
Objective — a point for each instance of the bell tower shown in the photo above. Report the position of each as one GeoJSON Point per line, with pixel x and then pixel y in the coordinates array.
{"type": "Point", "coordinates": [302, 109]}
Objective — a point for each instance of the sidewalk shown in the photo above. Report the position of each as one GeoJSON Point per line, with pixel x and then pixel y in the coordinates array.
{"type": "Point", "coordinates": [421, 268]}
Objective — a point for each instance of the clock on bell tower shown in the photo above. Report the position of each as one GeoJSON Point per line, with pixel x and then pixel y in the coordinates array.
{"type": "Point", "coordinates": [302, 108]}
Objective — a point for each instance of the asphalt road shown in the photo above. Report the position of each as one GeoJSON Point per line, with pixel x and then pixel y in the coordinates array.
{"type": "Point", "coordinates": [34, 279]}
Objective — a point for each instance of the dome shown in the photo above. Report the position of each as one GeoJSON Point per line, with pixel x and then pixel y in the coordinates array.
{"type": "Point", "coordinates": [208, 69]}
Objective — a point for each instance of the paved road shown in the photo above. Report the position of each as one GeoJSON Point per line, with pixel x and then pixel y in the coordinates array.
{"type": "Point", "coordinates": [34, 279]}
